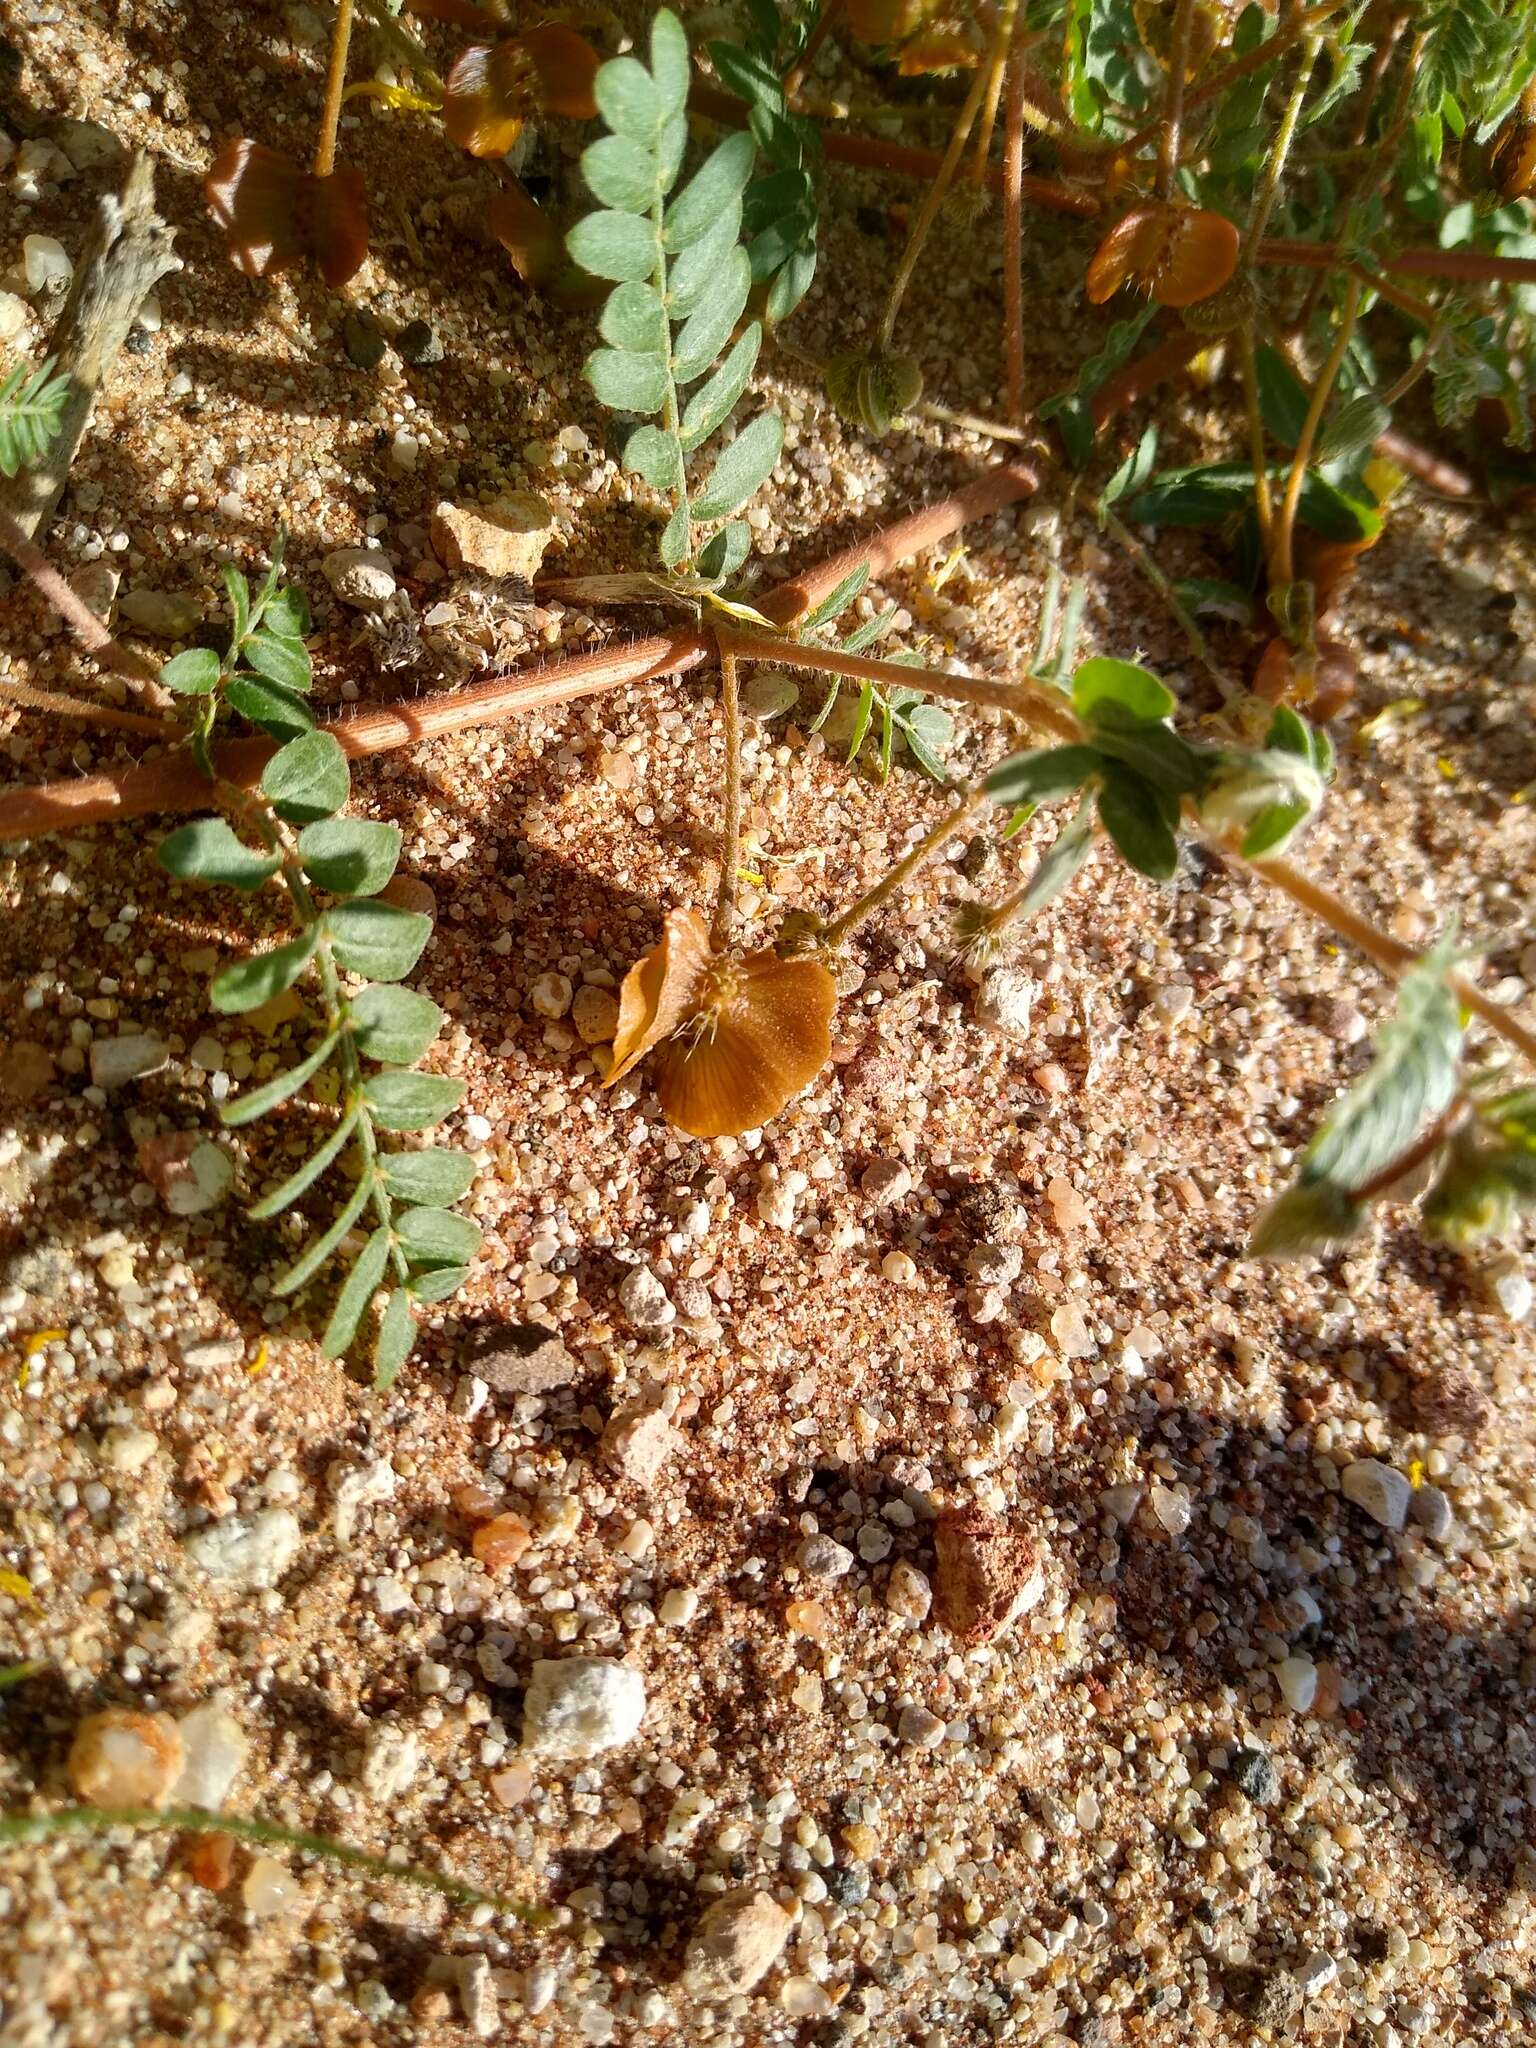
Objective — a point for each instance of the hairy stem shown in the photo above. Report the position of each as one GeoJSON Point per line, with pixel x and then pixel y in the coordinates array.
{"type": "Point", "coordinates": [1263, 502]}
{"type": "Point", "coordinates": [932, 201]}
{"type": "Point", "coordinates": [176, 783]}
{"type": "Point", "coordinates": [1274, 169]}
{"type": "Point", "coordinates": [794, 77]}
{"type": "Point", "coordinates": [1168, 134]}
{"type": "Point", "coordinates": [1282, 566]}
{"type": "Point", "coordinates": [335, 84]}
{"type": "Point", "coordinates": [1388, 953]}
{"type": "Point", "coordinates": [1025, 699]}
{"type": "Point", "coordinates": [730, 832]}
{"type": "Point", "coordinates": [192, 1820]}
{"type": "Point", "coordinates": [971, 801]}
{"type": "Point", "coordinates": [1221, 82]}
{"type": "Point", "coordinates": [1013, 237]}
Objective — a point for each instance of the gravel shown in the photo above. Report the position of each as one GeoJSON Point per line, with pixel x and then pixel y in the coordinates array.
{"type": "Point", "coordinates": [1381, 1491]}
{"type": "Point", "coordinates": [247, 1552]}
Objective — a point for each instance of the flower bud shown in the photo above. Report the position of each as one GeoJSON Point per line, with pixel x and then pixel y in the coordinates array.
{"type": "Point", "coordinates": [1268, 788]}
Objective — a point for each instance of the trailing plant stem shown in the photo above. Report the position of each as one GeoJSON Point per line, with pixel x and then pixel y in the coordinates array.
{"type": "Point", "coordinates": [1262, 500]}
{"type": "Point", "coordinates": [1220, 82]}
{"type": "Point", "coordinates": [730, 835]}
{"type": "Point", "coordinates": [1013, 236]}
{"type": "Point", "coordinates": [335, 85]}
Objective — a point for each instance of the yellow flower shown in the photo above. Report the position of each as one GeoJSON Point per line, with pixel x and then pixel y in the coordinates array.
{"type": "Point", "coordinates": [739, 1034]}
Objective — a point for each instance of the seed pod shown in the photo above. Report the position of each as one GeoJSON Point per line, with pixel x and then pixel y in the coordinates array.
{"type": "Point", "coordinates": [1234, 306]}
{"type": "Point", "coordinates": [873, 391]}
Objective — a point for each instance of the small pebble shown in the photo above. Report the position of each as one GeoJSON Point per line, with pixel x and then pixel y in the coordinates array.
{"type": "Point", "coordinates": [737, 1942]}
{"type": "Point", "coordinates": [1297, 1680]}
{"type": "Point", "coordinates": [908, 1592]}
{"type": "Point", "coordinates": [919, 1729]}
{"type": "Point", "coordinates": [122, 1758]}
{"type": "Point", "coordinates": [46, 263]}
{"type": "Point", "coordinates": [1254, 1774]}
{"type": "Point", "coordinates": [117, 1061]}
{"type": "Point", "coordinates": [270, 1888]}
{"type": "Point", "coordinates": [360, 577]}
{"type": "Point", "coordinates": [363, 341]}
{"type": "Point", "coordinates": [581, 1706]}
{"type": "Point", "coordinates": [417, 343]}
{"type": "Point", "coordinates": [819, 1557]}
{"type": "Point", "coordinates": [1380, 1490]}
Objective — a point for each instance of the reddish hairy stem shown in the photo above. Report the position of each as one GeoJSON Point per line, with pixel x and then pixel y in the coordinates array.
{"type": "Point", "coordinates": [1136, 379]}
{"type": "Point", "coordinates": [1013, 236]}
{"type": "Point", "coordinates": [1433, 471]}
{"type": "Point", "coordinates": [869, 153]}
{"type": "Point", "coordinates": [175, 783]}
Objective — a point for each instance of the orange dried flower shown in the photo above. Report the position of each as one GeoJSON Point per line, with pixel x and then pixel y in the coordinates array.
{"type": "Point", "coordinates": [1180, 254]}
{"type": "Point", "coordinates": [1512, 159]}
{"type": "Point", "coordinates": [931, 35]}
{"type": "Point", "coordinates": [738, 1034]}
{"type": "Point", "coordinates": [275, 215]}
{"type": "Point", "coordinates": [492, 91]}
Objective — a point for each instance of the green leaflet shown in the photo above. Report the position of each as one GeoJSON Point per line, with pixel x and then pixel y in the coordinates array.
{"type": "Point", "coordinates": [634, 318]}
{"type": "Point", "coordinates": [615, 245]}
{"type": "Point", "coordinates": [350, 856]}
{"type": "Point", "coordinates": [718, 183]}
{"type": "Point", "coordinates": [307, 779]}
{"type": "Point", "coordinates": [713, 403]}
{"type": "Point", "coordinates": [377, 939]}
{"type": "Point", "coordinates": [628, 382]}
{"type": "Point", "coordinates": [742, 466]}
{"type": "Point", "coordinates": [394, 1025]}
{"type": "Point", "coordinates": [621, 173]}
{"type": "Point", "coordinates": [713, 320]}
{"type": "Point", "coordinates": [208, 851]}
{"type": "Point", "coordinates": [1041, 776]}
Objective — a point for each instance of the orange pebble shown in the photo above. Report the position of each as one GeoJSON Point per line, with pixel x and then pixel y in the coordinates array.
{"type": "Point", "coordinates": [211, 1860]}
{"type": "Point", "coordinates": [500, 1542]}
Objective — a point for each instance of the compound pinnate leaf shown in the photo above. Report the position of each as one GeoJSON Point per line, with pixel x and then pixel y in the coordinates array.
{"type": "Point", "coordinates": [377, 939]}
{"type": "Point", "coordinates": [192, 674]}
{"type": "Point", "coordinates": [307, 779]}
{"type": "Point", "coordinates": [743, 466]}
{"type": "Point", "coordinates": [394, 1025]}
{"type": "Point", "coordinates": [350, 856]}
{"type": "Point", "coordinates": [208, 851]}
{"type": "Point", "coordinates": [411, 1102]}
{"type": "Point", "coordinates": [250, 983]}
{"type": "Point", "coordinates": [620, 246]}
{"type": "Point", "coordinates": [437, 1177]}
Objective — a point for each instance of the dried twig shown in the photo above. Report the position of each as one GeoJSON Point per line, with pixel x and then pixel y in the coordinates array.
{"type": "Point", "coordinates": [128, 252]}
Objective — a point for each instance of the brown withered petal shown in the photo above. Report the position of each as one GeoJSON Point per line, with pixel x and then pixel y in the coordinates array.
{"type": "Point", "coordinates": [537, 249]}
{"type": "Point", "coordinates": [1180, 254]}
{"type": "Point", "coordinates": [938, 51]}
{"type": "Point", "coordinates": [338, 224]}
{"type": "Point", "coordinates": [661, 990]}
{"type": "Point", "coordinates": [765, 1033]}
{"type": "Point", "coordinates": [567, 64]}
{"type": "Point", "coordinates": [492, 91]}
{"type": "Point", "coordinates": [275, 215]}
{"type": "Point", "coordinates": [253, 194]}
{"type": "Point", "coordinates": [886, 21]}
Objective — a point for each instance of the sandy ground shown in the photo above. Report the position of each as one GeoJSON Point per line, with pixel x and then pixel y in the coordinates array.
{"type": "Point", "coordinates": [1107, 1824]}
